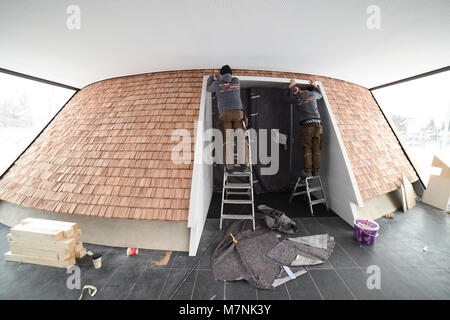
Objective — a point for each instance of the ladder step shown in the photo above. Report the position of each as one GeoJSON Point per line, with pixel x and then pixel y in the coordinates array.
{"type": "Point", "coordinates": [237, 216]}
{"type": "Point", "coordinates": [237, 201]}
{"type": "Point", "coordinates": [237, 185]}
{"type": "Point", "coordinates": [312, 189]}
{"type": "Point", "coordinates": [238, 174]}
{"type": "Point", "coordinates": [299, 193]}
{"type": "Point", "coordinates": [313, 202]}
{"type": "Point", "coordinates": [239, 193]}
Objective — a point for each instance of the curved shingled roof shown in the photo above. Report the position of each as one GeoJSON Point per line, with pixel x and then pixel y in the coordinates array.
{"type": "Point", "coordinates": [107, 153]}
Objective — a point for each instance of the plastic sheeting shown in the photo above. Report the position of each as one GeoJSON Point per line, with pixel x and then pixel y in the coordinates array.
{"type": "Point", "coordinates": [265, 110]}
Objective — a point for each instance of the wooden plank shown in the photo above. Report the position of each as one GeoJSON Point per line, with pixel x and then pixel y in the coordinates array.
{"type": "Point", "coordinates": [45, 254]}
{"type": "Point", "coordinates": [437, 192]}
{"type": "Point", "coordinates": [410, 195]}
{"type": "Point", "coordinates": [76, 235]}
{"type": "Point", "coordinates": [56, 223]}
{"type": "Point", "coordinates": [35, 260]}
{"type": "Point", "coordinates": [67, 244]}
{"type": "Point", "coordinates": [41, 226]}
{"type": "Point", "coordinates": [80, 254]}
{"type": "Point", "coordinates": [404, 205]}
{"type": "Point", "coordinates": [79, 246]}
{"type": "Point", "coordinates": [33, 232]}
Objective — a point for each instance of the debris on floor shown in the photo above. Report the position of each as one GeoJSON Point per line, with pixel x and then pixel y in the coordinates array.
{"type": "Point", "coordinates": [132, 251]}
{"type": "Point", "coordinates": [425, 249]}
{"type": "Point", "coordinates": [389, 215]}
{"type": "Point", "coordinates": [164, 261]}
{"type": "Point", "coordinates": [45, 242]}
{"type": "Point", "coordinates": [277, 220]}
{"type": "Point", "coordinates": [97, 260]}
{"type": "Point", "coordinates": [261, 259]}
{"type": "Point", "coordinates": [92, 291]}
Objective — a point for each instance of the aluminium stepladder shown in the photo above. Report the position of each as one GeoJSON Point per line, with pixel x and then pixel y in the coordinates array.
{"type": "Point", "coordinates": [306, 184]}
{"type": "Point", "coordinates": [239, 188]}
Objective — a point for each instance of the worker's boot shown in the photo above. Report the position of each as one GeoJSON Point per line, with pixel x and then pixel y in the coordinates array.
{"type": "Point", "coordinates": [241, 168]}
{"type": "Point", "coordinates": [316, 172]}
{"type": "Point", "coordinates": [229, 168]}
{"type": "Point", "coordinates": [305, 173]}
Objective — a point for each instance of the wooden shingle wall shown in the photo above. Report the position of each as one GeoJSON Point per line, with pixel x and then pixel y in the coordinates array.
{"type": "Point", "coordinates": [107, 153]}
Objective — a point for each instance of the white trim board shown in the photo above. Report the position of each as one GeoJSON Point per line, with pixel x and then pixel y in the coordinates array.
{"type": "Point", "coordinates": [337, 174]}
{"type": "Point", "coordinates": [202, 175]}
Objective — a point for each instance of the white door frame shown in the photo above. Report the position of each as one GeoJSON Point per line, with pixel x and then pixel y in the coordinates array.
{"type": "Point", "coordinates": [337, 174]}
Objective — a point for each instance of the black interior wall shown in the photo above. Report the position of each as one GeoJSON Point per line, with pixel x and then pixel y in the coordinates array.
{"type": "Point", "coordinates": [265, 110]}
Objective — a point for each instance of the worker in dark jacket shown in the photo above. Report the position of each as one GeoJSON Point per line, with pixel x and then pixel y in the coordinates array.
{"type": "Point", "coordinates": [231, 115]}
{"type": "Point", "coordinates": [310, 125]}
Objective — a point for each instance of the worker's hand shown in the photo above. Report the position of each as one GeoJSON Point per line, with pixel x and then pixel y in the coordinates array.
{"type": "Point", "coordinates": [292, 83]}
{"type": "Point", "coordinates": [312, 83]}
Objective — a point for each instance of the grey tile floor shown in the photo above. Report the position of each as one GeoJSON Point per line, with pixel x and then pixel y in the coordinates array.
{"type": "Point", "coordinates": [407, 272]}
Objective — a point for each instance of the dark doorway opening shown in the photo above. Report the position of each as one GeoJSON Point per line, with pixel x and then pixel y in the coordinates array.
{"type": "Point", "coordinates": [266, 110]}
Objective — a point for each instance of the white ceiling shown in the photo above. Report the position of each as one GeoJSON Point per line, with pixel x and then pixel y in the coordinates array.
{"type": "Point", "coordinates": [325, 37]}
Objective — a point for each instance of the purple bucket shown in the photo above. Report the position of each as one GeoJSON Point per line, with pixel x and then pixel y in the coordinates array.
{"type": "Point", "coordinates": [366, 232]}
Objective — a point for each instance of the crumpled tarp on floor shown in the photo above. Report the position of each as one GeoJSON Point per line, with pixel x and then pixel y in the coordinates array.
{"type": "Point", "coordinates": [303, 251]}
{"type": "Point", "coordinates": [277, 220]}
{"type": "Point", "coordinates": [258, 256]}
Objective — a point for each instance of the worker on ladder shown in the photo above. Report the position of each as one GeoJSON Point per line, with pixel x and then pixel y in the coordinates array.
{"type": "Point", "coordinates": [231, 117]}
{"type": "Point", "coordinates": [310, 125]}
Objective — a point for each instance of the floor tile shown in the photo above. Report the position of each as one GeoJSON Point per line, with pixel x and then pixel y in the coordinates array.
{"type": "Point", "coordinates": [206, 287]}
{"type": "Point", "coordinates": [336, 227]}
{"type": "Point", "coordinates": [312, 226]}
{"type": "Point", "coordinates": [149, 285]}
{"type": "Point", "coordinates": [330, 285]}
{"type": "Point", "coordinates": [124, 275]}
{"type": "Point", "coordinates": [182, 260]}
{"type": "Point", "coordinates": [408, 283]}
{"type": "Point", "coordinates": [211, 229]}
{"type": "Point", "coordinates": [326, 265]}
{"type": "Point", "coordinates": [340, 259]}
{"type": "Point", "coordinates": [112, 292]}
{"type": "Point", "coordinates": [303, 288]}
{"type": "Point", "coordinates": [363, 255]}
{"type": "Point", "coordinates": [239, 290]}
{"type": "Point", "coordinates": [175, 278]}
{"type": "Point", "coordinates": [356, 280]}
{"type": "Point", "coordinates": [278, 293]}
{"type": "Point", "coordinates": [206, 248]}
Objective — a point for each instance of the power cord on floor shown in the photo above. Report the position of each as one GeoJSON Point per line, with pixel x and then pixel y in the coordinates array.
{"type": "Point", "coordinates": [193, 268]}
{"type": "Point", "coordinates": [92, 291]}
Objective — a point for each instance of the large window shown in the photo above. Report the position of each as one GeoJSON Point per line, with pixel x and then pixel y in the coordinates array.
{"type": "Point", "coordinates": [420, 111]}
{"type": "Point", "coordinates": [26, 106]}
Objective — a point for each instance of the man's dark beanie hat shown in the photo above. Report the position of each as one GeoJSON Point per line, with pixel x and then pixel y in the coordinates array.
{"type": "Point", "coordinates": [225, 69]}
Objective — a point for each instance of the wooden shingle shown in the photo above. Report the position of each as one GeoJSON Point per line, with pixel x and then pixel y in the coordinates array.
{"type": "Point", "coordinates": [107, 153]}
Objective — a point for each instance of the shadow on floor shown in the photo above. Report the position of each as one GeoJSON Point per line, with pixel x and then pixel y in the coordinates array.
{"type": "Point", "coordinates": [277, 200]}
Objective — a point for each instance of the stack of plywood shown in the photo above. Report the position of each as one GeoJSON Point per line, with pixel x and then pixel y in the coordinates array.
{"type": "Point", "coordinates": [46, 242]}
{"type": "Point", "coordinates": [408, 194]}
